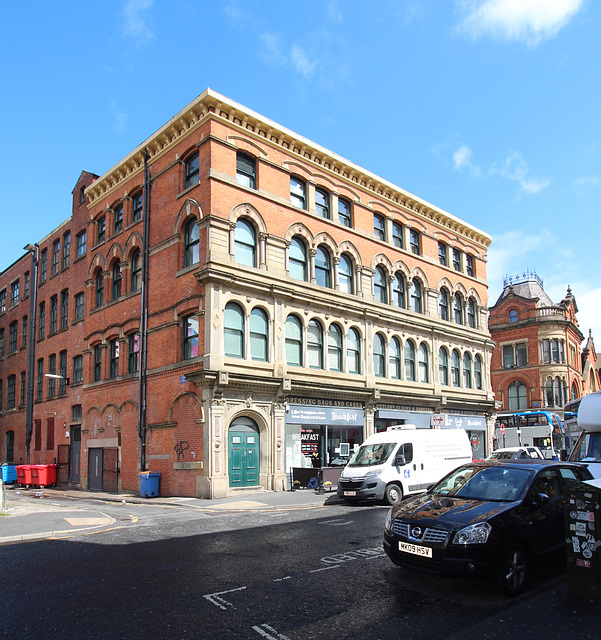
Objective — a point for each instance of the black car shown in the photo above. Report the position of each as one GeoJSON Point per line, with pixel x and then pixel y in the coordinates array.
{"type": "Point", "coordinates": [489, 517]}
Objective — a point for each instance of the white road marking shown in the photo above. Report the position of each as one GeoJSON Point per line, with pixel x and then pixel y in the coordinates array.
{"type": "Point", "coordinates": [214, 598]}
{"type": "Point", "coordinates": [284, 578]}
{"type": "Point", "coordinates": [335, 566]}
{"type": "Point", "coordinates": [266, 632]}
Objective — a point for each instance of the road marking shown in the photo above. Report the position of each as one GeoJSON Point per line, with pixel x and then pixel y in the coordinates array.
{"type": "Point", "coordinates": [134, 519]}
{"type": "Point", "coordinates": [214, 598]}
{"type": "Point", "coordinates": [337, 523]}
{"type": "Point", "coordinates": [88, 522]}
{"type": "Point", "coordinates": [332, 566]}
{"type": "Point", "coordinates": [284, 578]}
{"type": "Point", "coordinates": [266, 632]}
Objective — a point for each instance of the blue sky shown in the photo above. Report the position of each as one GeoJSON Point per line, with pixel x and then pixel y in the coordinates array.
{"type": "Point", "coordinates": [489, 109]}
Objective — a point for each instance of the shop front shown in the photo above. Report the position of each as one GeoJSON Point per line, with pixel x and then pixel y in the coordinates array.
{"type": "Point", "coordinates": [321, 435]}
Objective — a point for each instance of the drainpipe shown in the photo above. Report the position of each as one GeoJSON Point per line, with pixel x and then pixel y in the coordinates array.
{"type": "Point", "coordinates": [33, 285]}
{"type": "Point", "coordinates": [144, 317]}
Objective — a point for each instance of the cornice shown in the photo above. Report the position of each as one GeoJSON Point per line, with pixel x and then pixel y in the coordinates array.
{"type": "Point", "coordinates": [211, 104]}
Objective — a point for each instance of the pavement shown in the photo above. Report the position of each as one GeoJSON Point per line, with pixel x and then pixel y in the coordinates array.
{"type": "Point", "coordinates": [31, 514]}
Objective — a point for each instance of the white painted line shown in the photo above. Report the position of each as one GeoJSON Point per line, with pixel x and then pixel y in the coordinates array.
{"type": "Point", "coordinates": [282, 579]}
{"type": "Point", "coordinates": [214, 598]}
{"type": "Point", "coordinates": [266, 632]}
{"type": "Point", "coordinates": [335, 566]}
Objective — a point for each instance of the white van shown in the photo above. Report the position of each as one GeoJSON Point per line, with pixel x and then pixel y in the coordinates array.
{"type": "Point", "coordinates": [588, 447]}
{"type": "Point", "coordinates": [402, 460]}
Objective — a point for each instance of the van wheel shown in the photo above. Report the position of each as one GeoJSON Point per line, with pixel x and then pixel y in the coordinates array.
{"type": "Point", "coordinates": [513, 570]}
{"type": "Point", "coordinates": [394, 494]}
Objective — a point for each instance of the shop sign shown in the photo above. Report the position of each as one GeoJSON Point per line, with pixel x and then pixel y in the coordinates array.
{"type": "Point", "coordinates": [324, 402]}
{"type": "Point", "coordinates": [347, 416]}
{"type": "Point", "coordinates": [464, 422]}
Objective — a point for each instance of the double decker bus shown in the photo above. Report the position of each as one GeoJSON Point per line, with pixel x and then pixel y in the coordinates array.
{"type": "Point", "coordinates": [542, 429]}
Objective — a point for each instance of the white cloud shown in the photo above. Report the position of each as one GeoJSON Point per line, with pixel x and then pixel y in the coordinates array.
{"type": "Point", "coordinates": [589, 311]}
{"type": "Point", "coordinates": [119, 116]}
{"type": "Point", "coordinates": [334, 11]}
{"type": "Point", "coordinates": [135, 25]}
{"type": "Point", "coordinates": [586, 181]}
{"type": "Point", "coordinates": [272, 52]}
{"type": "Point", "coordinates": [516, 169]}
{"type": "Point", "coordinates": [527, 21]}
{"type": "Point", "coordinates": [462, 159]}
{"type": "Point", "coordinates": [302, 62]}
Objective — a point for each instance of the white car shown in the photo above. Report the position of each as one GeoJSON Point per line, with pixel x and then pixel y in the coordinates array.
{"type": "Point", "coordinates": [516, 453]}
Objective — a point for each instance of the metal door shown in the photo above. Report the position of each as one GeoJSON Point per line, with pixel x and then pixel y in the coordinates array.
{"type": "Point", "coordinates": [243, 456]}
{"type": "Point", "coordinates": [95, 470]}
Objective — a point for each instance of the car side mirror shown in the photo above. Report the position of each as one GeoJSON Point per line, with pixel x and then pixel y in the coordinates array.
{"type": "Point", "coordinates": [400, 461]}
{"type": "Point", "coordinates": [540, 499]}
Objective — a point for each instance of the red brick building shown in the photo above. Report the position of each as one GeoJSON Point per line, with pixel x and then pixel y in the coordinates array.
{"type": "Point", "coordinates": [537, 360]}
{"type": "Point", "coordinates": [252, 302]}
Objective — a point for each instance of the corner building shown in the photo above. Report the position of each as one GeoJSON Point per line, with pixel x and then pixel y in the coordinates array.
{"type": "Point", "coordinates": [294, 304]}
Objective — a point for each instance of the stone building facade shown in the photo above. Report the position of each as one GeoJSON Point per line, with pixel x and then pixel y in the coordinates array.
{"type": "Point", "coordinates": [254, 303]}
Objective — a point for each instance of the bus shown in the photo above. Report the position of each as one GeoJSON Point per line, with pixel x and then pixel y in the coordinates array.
{"type": "Point", "coordinates": [542, 429]}
{"type": "Point", "coordinates": [570, 422]}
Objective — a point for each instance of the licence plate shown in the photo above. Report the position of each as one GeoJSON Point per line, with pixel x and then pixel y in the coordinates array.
{"type": "Point", "coordinates": [350, 493]}
{"type": "Point", "coordinates": [415, 549]}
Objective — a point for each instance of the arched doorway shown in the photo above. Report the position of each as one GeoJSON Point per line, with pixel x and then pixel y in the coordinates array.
{"type": "Point", "coordinates": [243, 458]}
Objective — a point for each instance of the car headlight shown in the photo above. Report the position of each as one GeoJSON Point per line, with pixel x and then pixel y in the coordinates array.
{"type": "Point", "coordinates": [474, 534]}
{"type": "Point", "coordinates": [373, 472]}
{"type": "Point", "coordinates": [388, 523]}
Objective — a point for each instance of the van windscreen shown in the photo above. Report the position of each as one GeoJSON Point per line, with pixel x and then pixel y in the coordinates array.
{"type": "Point", "coordinates": [370, 455]}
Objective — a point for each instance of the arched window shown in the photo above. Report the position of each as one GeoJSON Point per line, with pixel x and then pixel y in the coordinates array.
{"type": "Point", "coordinates": [323, 269]}
{"type": "Point", "coordinates": [513, 315]}
{"type": "Point", "coordinates": [458, 308]}
{"type": "Point", "coordinates": [467, 370]}
{"type": "Point", "coordinates": [443, 366]}
{"type": "Point", "coordinates": [294, 341]}
{"type": "Point", "coordinates": [353, 352]}
{"type": "Point", "coordinates": [191, 238]}
{"type": "Point", "coordinates": [478, 372]}
{"type": "Point", "coordinates": [416, 296]}
{"type": "Point", "coordinates": [335, 348]}
{"type": "Point", "coordinates": [245, 243]}
{"type": "Point", "coordinates": [259, 335]}
{"type": "Point", "coordinates": [398, 291]}
{"type": "Point", "coordinates": [409, 361]}
{"type": "Point", "coordinates": [315, 345]}
{"type": "Point", "coordinates": [443, 304]}
{"type": "Point", "coordinates": [471, 313]}
{"type": "Point", "coordinates": [394, 359]}
{"type": "Point", "coordinates": [233, 323]}
{"type": "Point", "coordinates": [297, 259]}
{"type": "Point", "coordinates": [379, 356]}
{"type": "Point", "coordinates": [423, 364]}
{"type": "Point", "coordinates": [322, 203]}
{"type": "Point", "coordinates": [380, 285]}
{"type": "Point", "coordinates": [345, 274]}
{"type": "Point", "coordinates": [136, 270]}
{"type": "Point", "coordinates": [99, 288]}
{"type": "Point", "coordinates": [557, 396]}
{"type": "Point", "coordinates": [455, 371]}
{"type": "Point", "coordinates": [518, 396]}
{"type": "Point", "coordinates": [116, 280]}
{"type": "Point", "coordinates": [549, 392]}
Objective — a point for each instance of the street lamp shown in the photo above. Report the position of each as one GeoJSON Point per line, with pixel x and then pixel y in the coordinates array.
{"type": "Point", "coordinates": [34, 249]}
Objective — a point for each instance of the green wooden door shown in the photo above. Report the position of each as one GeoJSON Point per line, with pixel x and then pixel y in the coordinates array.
{"type": "Point", "coordinates": [243, 455]}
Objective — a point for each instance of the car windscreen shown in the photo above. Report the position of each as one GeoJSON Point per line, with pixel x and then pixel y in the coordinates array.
{"type": "Point", "coordinates": [501, 455]}
{"type": "Point", "coordinates": [490, 483]}
{"type": "Point", "coordinates": [370, 455]}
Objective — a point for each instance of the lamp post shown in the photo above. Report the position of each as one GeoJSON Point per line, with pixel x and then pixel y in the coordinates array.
{"type": "Point", "coordinates": [34, 249]}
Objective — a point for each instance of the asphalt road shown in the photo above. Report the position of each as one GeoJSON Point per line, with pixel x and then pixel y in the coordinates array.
{"type": "Point", "coordinates": [286, 575]}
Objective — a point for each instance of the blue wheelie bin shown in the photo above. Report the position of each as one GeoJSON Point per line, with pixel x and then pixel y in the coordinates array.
{"type": "Point", "coordinates": [149, 484]}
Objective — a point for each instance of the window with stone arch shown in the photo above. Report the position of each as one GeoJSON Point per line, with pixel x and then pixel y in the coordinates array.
{"type": "Point", "coordinates": [191, 243]}
{"type": "Point", "coordinates": [353, 351]}
{"type": "Point", "coordinates": [117, 277]}
{"type": "Point", "coordinates": [245, 243]}
{"type": "Point", "coordinates": [379, 355]}
{"type": "Point", "coordinates": [398, 291]}
{"type": "Point", "coordinates": [233, 323]}
{"type": "Point", "coordinates": [315, 350]}
{"type": "Point", "coordinates": [517, 394]}
{"type": "Point", "coordinates": [334, 348]}
{"type": "Point", "coordinates": [467, 370]}
{"type": "Point", "coordinates": [394, 359]}
{"type": "Point", "coordinates": [323, 267]}
{"type": "Point", "coordinates": [294, 341]}
{"type": "Point", "coordinates": [416, 296]}
{"type": "Point", "coordinates": [380, 285]}
{"type": "Point", "coordinates": [297, 259]}
{"type": "Point", "coordinates": [455, 368]}
{"type": "Point", "coordinates": [259, 335]}
{"type": "Point", "coordinates": [458, 308]}
{"type": "Point", "coordinates": [443, 304]}
{"type": "Point", "coordinates": [443, 366]}
{"type": "Point", "coordinates": [99, 288]}
{"type": "Point", "coordinates": [423, 364]}
{"type": "Point", "coordinates": [478, 372]}
{"type": "Point", "coordinates": [345, 274]}
{"type": "Point", "coordinates": [409, 361]}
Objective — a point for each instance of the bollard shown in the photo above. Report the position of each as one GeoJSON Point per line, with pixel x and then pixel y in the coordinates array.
{"type": "Point", "coordinates": [2, 496]}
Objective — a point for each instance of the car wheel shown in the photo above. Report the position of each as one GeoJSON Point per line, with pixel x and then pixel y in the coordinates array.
{"type": "Point", "coordinates": [513, 570]}
{"type": "Point", "coordinates": [394, 494]}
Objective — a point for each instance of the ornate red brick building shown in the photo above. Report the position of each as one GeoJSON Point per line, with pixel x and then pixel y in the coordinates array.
{"type": "Point", "coordinates": [240, 301]}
